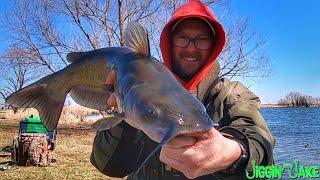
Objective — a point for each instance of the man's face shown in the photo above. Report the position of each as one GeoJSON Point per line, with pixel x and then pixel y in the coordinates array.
{"type": "Point", "coordinates": [192, 46]}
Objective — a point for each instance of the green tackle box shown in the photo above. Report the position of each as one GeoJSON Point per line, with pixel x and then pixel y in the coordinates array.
{"type": "Point", "coordinates": [32, 124]}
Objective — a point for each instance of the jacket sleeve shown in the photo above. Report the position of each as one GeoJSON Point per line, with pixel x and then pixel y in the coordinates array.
{"type": "Point", "coordinates": [236, 109]}
{"type": "Point", "coordinates": [116, 152]}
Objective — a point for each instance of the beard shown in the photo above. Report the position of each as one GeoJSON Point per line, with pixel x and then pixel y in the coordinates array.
{"type": "Point", "coordinates": [185, 71]}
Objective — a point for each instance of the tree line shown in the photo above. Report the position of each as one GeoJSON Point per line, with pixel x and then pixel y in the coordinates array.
{"type": "Point", "coordinates": [42, 32]}
{"type": "Point", "coordinates": [300, 100]}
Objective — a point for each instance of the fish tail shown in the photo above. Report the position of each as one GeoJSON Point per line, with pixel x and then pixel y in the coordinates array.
{"type": "Point", "coordinates": [48, 102]}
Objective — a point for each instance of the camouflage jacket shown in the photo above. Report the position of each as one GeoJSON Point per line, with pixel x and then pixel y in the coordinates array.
{"type": "Point", "coordinates": [118, 152]}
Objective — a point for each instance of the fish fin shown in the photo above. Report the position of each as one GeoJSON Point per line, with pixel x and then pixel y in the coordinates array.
{"type": "Point", "coordinates": [136, 39]}
{"type": "Point", "coordinates": [37, 96]}
{"type": "Point", "coordinates": [74, 56]}
{"type": "Point", "coordinates": [107, 122]}
{"type": "Point", "coordinates": [95, 98]}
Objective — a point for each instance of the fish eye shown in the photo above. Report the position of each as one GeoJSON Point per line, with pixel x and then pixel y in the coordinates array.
{"type": "Point", "coordinates": [152, 111]}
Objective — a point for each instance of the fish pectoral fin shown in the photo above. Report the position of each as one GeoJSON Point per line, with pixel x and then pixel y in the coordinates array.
{"type": "Point", "coordinates": [107, 122]}
{"type": "Point", "coordinates": [94, 98]}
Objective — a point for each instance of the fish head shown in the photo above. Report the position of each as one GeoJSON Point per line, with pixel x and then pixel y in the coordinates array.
{"type": "Point", "coordinates": [163, 115]}
{"type": "Point", "coordinates": [155, 102]}
{"type": "Point", "coordinates": [192, 115]}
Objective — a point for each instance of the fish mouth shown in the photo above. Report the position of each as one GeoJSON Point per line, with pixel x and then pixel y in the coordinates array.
{"type": "Point", "coordinates": [191, 131]}
{"type": "Point", "coordinates": [194, 133]}
{"type": "Point", "coordinates": [157, 135]}
{"type": "Point", "coordinates": [195, 129]}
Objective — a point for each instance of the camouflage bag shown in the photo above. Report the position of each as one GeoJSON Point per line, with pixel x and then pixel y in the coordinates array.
{"type": "Point", "coordinates": [39, 153]}
{"type": "Point", "coordinates": [32, 149]}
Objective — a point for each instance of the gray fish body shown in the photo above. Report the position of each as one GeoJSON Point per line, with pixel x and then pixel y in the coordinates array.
{"type": "Point", "coordinates": [154, 101]}
{"type": "Point", "coordinates": [147, 93]}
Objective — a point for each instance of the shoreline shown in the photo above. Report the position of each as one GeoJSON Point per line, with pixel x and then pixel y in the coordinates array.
{"type": "Point", "coordinates": [282, 106]}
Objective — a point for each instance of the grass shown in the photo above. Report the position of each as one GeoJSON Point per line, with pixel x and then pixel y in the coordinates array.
{"type": "Point", "coordinates": [72, 155]}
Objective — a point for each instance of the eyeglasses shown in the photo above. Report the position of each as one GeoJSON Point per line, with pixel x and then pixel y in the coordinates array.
{"type": "Point", "coordinates": [201, 43]}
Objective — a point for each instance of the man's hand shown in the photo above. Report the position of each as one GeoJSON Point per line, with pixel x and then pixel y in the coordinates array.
{"type": "Point", "coordinates": [200, 154]}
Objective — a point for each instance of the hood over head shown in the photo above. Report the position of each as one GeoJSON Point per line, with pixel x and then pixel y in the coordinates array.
{"type": "Point", "coordinates": [193, 9]}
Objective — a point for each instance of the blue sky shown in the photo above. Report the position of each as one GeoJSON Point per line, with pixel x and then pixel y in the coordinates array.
{"type": "Point", "coordinates": [292, 29]}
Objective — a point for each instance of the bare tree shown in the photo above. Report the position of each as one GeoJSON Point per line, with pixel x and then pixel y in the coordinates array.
{"type": "Point", "coordinates": [52, 28]}
{"type": "Point", "coordinates": [17, 70]}
{"type": "Point", "coordinates": [47, 30]}
{"type": "Point", "coordinates": [283, 102]}
{"type": "Point", "coordinates": [310, 101]}
{"type": "Point", "coordinates": [294, 98]}
{"type": "Point", "coordinates": [297, 99]}
{"type": "Point", "coordinates": [317, 101]}
{"type": "Point", "coordinates": [243, 55]}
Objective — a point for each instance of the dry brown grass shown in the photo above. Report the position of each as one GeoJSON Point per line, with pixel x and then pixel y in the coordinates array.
{"type": "Point", "coordinates": [73, 115]}
{"type": "Point", "coordinates": [70, 114]}
{"type": "Point", "coordinates": [73, 150]}
{"type": "Point", "coordinates": [5, 114]}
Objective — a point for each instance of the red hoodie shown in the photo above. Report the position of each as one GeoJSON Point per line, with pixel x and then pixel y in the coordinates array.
{"type": "Point", "coordinates": [188, 10]}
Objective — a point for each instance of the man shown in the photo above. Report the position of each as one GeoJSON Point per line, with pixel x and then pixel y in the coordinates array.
{"type": "Point", "coordinates": [190, 44]}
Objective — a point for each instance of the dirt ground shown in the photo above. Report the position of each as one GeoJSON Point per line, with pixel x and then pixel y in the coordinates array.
{"type": "Point", "coordinates": [72, 154]}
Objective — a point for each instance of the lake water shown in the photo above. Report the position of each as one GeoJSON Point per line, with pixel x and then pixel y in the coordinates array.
{"type": "Point", "coordinates": [297, 133]}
